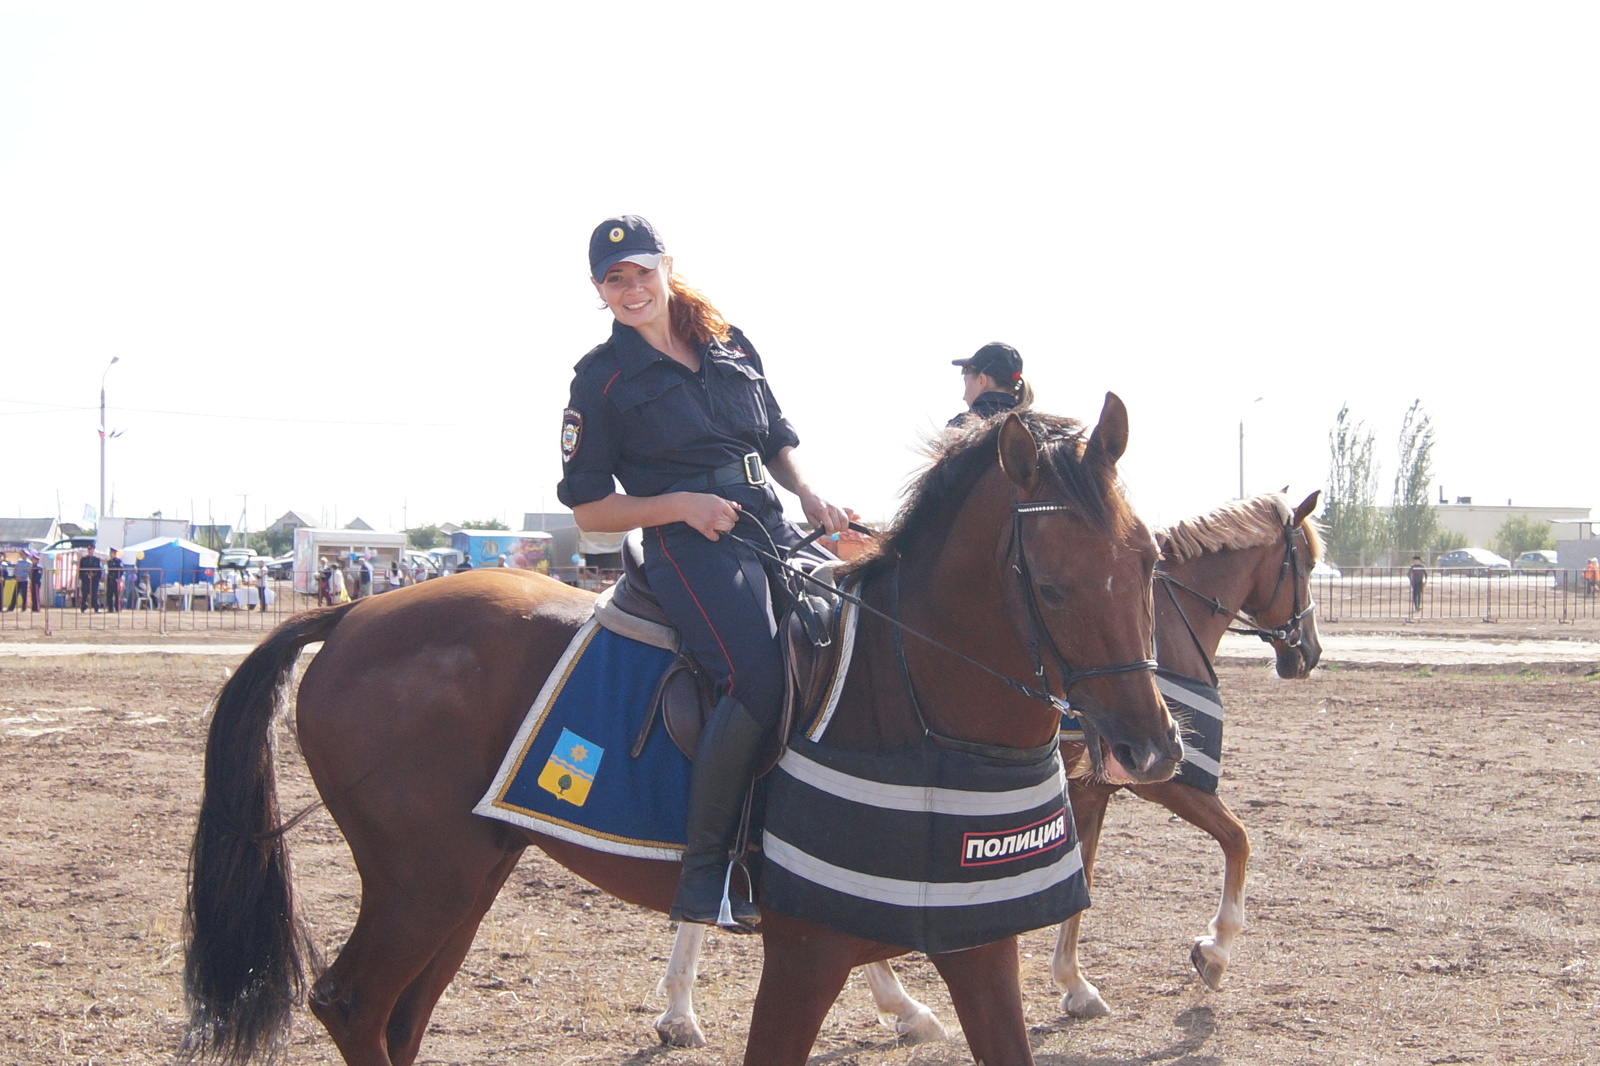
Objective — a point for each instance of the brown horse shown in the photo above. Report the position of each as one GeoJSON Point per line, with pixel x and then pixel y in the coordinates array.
{"type": "Point", "coordinates": [405, 713]}
{"type": "Point", "coordinates": [1246, 561]}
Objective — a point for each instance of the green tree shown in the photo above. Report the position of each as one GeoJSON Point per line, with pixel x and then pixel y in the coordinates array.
{"type": "Point", "coordinates": [271, 542]}
{"type": "Point", "coordinates": [487, 523]}
{"type": "Point", "coordinates": [1522, 534]}
{"type": "Point", "coordinates": [1446, 540]}
{"type": "Point", "coordinates": [1350, 512]}
{"type": "Point", "coordinates": [425, 537]}
{"type": "Point", "coordinates": [1412, 518]}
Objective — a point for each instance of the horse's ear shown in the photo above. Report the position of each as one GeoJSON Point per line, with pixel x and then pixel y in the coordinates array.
{"type": "Point", "coordinates": [1307, 505]}
{"type": "Point", "coordinates": [1019, 453]}
{"type": "Point", "coordinates": [1110, 436]}
{"type": "Point", "coordinates": [1285, 490]}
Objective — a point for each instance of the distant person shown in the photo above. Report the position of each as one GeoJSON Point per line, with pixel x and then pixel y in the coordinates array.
{"type": "Point", "coordinates": [993, 384]}
{"type": "Point", "coordinates": [114, 568]}
{"type": "Point", "coordinates": [36, 580]}
{"type": "Point", "coordinates": [21, 573]}
{"type": "Point", "coordinates": [395, 578]}
{"type": "Point", "coordinates": [419, 573]}
{"type": "Point", "coordinates": [464, 564]}
{"type": "Point", "coordinates": [1591, 577]}
{"type": "Point", "coordinates": [337, 593]}
{"type": "Point", "coordinates": [324, 583]}
{"type": "Point", "coordinates": [261, 585]}
{"type": "Point", "coordinates": [504, 561]}
{"type": "Point", "coordinates": [90, 569]}
{"type": "Point", "coordinates": [364, 578]}
{"type": "Point", "coordinates": [1418, 575]}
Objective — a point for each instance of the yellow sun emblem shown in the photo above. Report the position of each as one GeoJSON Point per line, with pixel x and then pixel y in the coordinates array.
{"type": "Point", "coordinates": [616, 234]}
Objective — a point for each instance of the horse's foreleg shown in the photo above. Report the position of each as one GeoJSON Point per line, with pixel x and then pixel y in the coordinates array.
{"type": "Point", "coordinates": [912, 1021]}
{"type": "Point", "coordinates": [986, 989]}
{"type": "Point", "coordinates": [677, 1025]}
{"type": "Point", "coordinates": [1079, 997]}
{"type": "Point", "coordinates": [803, 967]}
{"type": "Point", "coordinates": [1211, 952]}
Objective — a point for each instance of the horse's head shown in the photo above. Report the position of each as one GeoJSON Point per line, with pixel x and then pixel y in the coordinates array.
{"type": "Point", "coordinates": [1289, 615]}
{"type": "Point", "coordinates": [1082, 562]}
{"type": "Point", "coordinates": [1246, 563]}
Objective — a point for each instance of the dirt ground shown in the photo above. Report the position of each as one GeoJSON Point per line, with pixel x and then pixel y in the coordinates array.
{"type": "Point", "coordinates": [1424, 889]}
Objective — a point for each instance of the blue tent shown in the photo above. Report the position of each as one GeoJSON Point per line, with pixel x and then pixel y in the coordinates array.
{"type": "Point", "coordinates": [172, 560]}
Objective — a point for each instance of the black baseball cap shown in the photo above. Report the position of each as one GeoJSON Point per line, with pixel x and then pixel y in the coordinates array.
{"type": "Point", "coordinates": [624, 239]}
{"type": "Point", "coordinates": [1000, 361]}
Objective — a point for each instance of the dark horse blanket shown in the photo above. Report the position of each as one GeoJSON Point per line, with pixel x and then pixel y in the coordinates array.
{"type": "Point", "coordinates": [1198, 708]}
{"type": "Point", "coordinates": [925, 847]}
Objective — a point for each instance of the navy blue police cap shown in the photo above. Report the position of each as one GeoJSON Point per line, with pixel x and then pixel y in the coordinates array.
{"type": "Point", "coordinates": [1000, 361]}
{"type": "Point", "coordinates": [624, 239]}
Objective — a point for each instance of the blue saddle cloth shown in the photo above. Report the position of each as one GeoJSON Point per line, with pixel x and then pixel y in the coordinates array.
{"type": "Point", "coordinates": [569, 772]}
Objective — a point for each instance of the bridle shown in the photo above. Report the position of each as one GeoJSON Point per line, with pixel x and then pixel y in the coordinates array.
{"type": "Point", "coordinates": [1289, 633]}
{"type": "Point", "coordinates": [1017, 556]}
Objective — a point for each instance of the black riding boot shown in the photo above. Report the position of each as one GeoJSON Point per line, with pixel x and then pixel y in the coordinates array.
{"type": "Point", "coordinates": [724, 763]}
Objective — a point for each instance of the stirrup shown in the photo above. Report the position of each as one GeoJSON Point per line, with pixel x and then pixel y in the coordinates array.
{"type": "Point", "coordinates": [725, 918]}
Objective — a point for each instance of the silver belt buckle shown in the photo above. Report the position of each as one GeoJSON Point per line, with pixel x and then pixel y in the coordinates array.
{"type": "Point", "coordinates": [754, 473]}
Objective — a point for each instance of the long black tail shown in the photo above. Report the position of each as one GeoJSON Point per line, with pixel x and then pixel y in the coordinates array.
{"type": "Point", "coordinates": [244, 970]}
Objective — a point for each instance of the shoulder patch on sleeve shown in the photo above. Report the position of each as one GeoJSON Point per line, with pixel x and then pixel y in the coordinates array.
{"type": "Point", "coordinates": [571, 433]}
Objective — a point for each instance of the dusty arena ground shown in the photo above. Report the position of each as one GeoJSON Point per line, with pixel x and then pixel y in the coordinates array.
{"type": "Point", "coordinates": [1424, 890]}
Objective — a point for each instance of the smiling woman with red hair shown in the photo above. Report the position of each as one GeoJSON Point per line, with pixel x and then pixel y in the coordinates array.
{"type": "Point", "coordinates": [676, 407]}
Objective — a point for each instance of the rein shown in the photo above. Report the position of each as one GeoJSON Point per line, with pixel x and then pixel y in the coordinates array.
{"type": "Point", "coordinates": [1069, 676]}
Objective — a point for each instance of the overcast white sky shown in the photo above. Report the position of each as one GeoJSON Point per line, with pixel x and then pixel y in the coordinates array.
{"type": "Point", "coordinates": [339, 250]}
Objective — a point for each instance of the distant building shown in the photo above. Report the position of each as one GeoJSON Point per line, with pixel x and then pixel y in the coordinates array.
{"type": "Point", "coordinates": [291, 521]}
{"type": "Point", "coordinates": [359, 524]}
{"type": "Point", "coordinates": [19, 534]}
{"type": "Point", "coordinates": [1479, 522]}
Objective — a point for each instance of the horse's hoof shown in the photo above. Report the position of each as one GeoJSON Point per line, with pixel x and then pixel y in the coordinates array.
{"type": "Point", "coordinates": [682, 1031]}
{"type": "Point", "coordinates": [1084, 1004]}
{"type": "Point", "coordinates": [1210, 962]}
{"type": "Point", "coordinates": [923, 1028]}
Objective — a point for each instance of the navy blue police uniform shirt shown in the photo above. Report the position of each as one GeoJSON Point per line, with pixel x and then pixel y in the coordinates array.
{"type": "Point", "coordinates": [986, 405]}
{"type": "Point", "coordinates": [642, 418]}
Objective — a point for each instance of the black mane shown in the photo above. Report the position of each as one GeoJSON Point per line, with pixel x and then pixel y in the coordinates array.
{"type": "Point", "coordinates": [961, 457]}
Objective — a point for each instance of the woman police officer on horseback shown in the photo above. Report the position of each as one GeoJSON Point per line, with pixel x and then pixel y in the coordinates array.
{"type": "Point", "coordinates": [676, 407]}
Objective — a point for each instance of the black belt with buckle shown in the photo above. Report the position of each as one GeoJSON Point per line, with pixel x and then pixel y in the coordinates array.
{"type": "Point", "coordinates": [745, 471]}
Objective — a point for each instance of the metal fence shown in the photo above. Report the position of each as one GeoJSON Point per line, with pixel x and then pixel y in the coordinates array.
{"type": "Point", "coordinates": [1366, 593]}
{"type": "Point", "coordinates": [1357, 594]}
{"type": "Point", "coordinates": [147, 602]}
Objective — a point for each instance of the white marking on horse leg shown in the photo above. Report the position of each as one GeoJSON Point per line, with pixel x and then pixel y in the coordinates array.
{"type": "Point", "coordinates": [911, 1021]}
{"type": "Point", "coordinates": [1211, 954]}
{"type": "Point", "coordinates": [677, 1025]}
{"type": "Point", "coordinates": [1081, 999]}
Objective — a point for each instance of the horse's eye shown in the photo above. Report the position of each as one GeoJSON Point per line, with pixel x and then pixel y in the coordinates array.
{"type": "Point", "coordinates": [1052, 596]}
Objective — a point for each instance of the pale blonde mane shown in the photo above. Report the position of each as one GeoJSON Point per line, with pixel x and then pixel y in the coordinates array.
{"type": "Point", "coordinates": [1251, 523]}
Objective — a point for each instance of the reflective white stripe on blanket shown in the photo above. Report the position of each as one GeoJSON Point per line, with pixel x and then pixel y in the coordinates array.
{"type": "Point", "coordinates": [920, 797]}
{"type": "Point", "coordinates": [1172, 691]}
{"type": "Point", "coordinates": [918, 893]}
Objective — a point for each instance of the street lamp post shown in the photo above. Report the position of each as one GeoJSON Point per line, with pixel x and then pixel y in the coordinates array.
{"type": "Point", "coordinates": [1257, 400]}
{"type": "Point", "coordinates": [100, 515]}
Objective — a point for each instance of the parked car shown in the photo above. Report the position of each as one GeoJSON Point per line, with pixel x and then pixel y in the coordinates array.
{"type": "Point", "coordinates": [281, 568]}
{"type": "Point", "coordinates": [1535, 560]}
{"type": "Point", "coordinates": [1478, 561]}
{"type": "Point", "coordinates": [430, 565]}
{"type": "Point", "coordinates": [1324, 569]}
{"type": "Point", "coordinates": [239, 559]}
